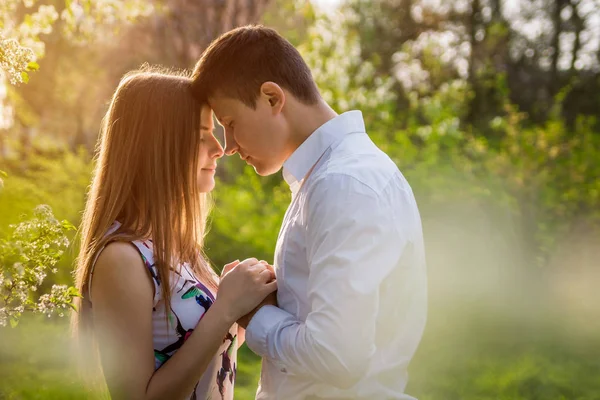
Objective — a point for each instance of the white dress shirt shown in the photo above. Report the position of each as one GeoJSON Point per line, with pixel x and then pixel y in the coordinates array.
{"type": "Point", "coordinates": [350, 267]}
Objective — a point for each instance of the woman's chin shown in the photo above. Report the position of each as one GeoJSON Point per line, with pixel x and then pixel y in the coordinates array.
{"type": "Point", "coordinates": [206, 184]}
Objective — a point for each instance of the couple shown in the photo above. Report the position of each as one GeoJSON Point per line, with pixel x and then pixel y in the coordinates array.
{"type": "Point", "coordinates": [342, 310]}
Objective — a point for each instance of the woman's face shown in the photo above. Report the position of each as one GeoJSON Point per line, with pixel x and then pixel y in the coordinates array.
{"type": "Point", "coordinates": [210, 151]}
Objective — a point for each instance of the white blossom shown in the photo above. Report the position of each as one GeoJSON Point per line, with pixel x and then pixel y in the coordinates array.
{"type": "Point", "coordinates": [35, 246]}
{"type": "Point", "coordinates": [335, 59]}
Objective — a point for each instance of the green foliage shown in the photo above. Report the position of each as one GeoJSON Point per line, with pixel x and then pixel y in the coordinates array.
{"type": "Point", "coordinates": [26, 257]}
{"type": "Point", "coordinates": [550, 173]}
{"type": "Point", "coordinates": [246, 219]}
{"type": "Point", "coordinates": [33, 249]}
{"type": "Point", "coordinates": [346, 82]}
{"type": "Point", "coordinates": [528, 183]}
{"type": "Point", "coordinates": [53, 176]}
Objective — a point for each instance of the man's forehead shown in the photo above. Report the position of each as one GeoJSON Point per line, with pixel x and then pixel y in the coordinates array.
{"type": "Point", "coordinates": [221, 117]}
{"type": "Point", "coordinates": [222, 105]}
{"type": "Point", "coordinates": [218, 117]}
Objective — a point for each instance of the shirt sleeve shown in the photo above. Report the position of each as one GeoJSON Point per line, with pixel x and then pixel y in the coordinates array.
{"type": "Point", "coordinates": [352, 244]}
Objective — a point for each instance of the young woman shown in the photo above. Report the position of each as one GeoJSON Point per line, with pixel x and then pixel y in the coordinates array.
{"type": "Point", "coordinates": [150, 303]}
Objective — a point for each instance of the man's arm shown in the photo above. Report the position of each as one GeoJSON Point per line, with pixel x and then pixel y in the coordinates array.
{"type": "Point", "coordinates": [353, 243]}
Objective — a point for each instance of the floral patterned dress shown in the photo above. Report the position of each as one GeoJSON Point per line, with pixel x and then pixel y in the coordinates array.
{"type": "Point", "coordinates": [190, 299]}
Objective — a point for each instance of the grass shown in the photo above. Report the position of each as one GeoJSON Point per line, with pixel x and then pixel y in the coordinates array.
{"type": "Point", "coordinates": [34, 362]}
{"type": "Point", "coordinates": [519, 359]}
{"type": "Point", "coordinates": [474, 356]}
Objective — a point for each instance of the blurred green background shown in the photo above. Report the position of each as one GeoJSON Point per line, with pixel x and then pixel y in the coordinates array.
{"type": "Point", "coordinates": [489, 107]}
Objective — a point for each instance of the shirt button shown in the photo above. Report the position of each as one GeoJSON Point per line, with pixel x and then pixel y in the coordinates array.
{"type": "Point", "coordinates": [283, 370]}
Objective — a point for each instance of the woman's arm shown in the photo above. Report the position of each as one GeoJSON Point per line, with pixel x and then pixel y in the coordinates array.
{"type": "Point", "coordinates": [122, 311]}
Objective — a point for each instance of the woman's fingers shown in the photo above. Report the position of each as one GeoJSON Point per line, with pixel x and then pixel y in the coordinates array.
{"type": "Point", "coordinates": [229, 267]}
{"type": "Point", "coordinates": [272, 271]}
{"type": "Point", "coordinates": [266, 275]}
{"type": "Point", "coordinates": [246, 263]}
{"type": "Point", "coordinates": [271, 287]}
{"type": "Point", "coordinates": [250, 261]}
{"type": "Point", "coordinates": [267, 267]}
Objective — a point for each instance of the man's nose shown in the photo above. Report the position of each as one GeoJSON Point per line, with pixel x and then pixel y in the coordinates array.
{"type": "Point", "coordinates": [231, 147]}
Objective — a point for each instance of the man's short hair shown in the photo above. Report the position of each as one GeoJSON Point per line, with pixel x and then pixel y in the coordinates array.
{"type": "Point", "coordinates": [237, 63]}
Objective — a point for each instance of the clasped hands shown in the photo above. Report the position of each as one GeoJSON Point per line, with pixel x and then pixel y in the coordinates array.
{"type": "Point", "coordinates": [270, 299]}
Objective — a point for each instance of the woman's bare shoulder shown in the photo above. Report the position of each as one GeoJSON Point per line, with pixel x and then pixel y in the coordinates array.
{"type": "Point", "coordinates": [120, 268]}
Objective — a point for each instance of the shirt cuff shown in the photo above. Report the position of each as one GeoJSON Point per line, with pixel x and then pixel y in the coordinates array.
{"type": "Point", "coordinates": [266, 319]}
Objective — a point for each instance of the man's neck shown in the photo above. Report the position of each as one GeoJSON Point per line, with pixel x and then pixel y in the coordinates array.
{"type": "Point", "coordinates": [307, 119]}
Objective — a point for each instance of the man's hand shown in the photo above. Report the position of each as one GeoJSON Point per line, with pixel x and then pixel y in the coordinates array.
{"type": "Point", "coordinates": [271, 299]}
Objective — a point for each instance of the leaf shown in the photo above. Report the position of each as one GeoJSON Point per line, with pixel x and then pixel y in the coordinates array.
{"type": "Point", "coordinates": [33, 66]}
{"type": "Point", "coordinates": [25, 77]}
{"type": "Point", "coordinates": [67, 225]}
{"type": "Point", "coordinates": [14, 322]}
{"type": "Point", "coordinates": [3, 174]}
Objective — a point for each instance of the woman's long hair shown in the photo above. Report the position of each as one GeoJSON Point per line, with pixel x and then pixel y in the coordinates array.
{"type": "Point", "coordinates": [146, 178]}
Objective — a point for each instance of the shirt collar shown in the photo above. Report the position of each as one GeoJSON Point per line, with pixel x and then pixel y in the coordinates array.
{"type": "Point", "coordinates": [308, 153]}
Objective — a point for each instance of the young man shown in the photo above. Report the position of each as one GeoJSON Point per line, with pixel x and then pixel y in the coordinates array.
{"type": "Point", "coordinates": [349, 259]}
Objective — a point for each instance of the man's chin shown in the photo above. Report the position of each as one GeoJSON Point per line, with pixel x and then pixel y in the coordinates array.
{"type": "Point", "coordinates": [263, 170]}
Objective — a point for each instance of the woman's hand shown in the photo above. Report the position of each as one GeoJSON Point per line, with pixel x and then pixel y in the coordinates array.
{"type": "Point", "coordinates": [244, 285]}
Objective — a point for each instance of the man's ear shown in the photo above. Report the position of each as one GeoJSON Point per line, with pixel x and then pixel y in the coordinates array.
{"type": "Point", "coordinates": [274, 95]}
